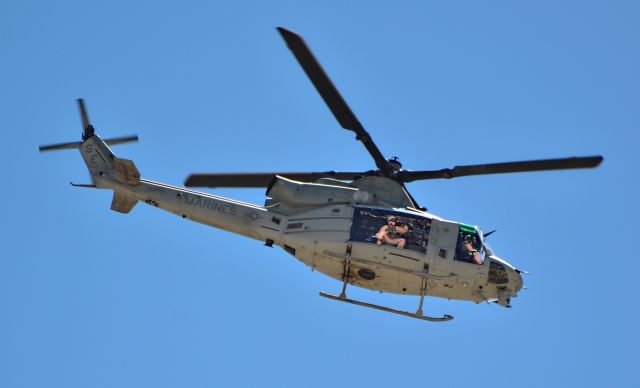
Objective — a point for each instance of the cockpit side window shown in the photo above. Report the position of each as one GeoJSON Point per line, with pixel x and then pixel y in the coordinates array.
{"type": "Point", "coordinates": [469, 246]}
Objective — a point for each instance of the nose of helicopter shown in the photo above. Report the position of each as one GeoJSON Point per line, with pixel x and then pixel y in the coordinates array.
{"type": "Point", "coordinates": [517, 282]}
{"type": "Point", "coordinates": [512, 277]}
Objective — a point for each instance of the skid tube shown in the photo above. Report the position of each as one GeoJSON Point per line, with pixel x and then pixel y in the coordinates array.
{"type": "Point", "coordinates": [445, 318]}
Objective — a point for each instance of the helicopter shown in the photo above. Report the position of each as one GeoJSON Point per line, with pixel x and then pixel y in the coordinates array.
{"type": "Point", "coordinates": [362, 228]}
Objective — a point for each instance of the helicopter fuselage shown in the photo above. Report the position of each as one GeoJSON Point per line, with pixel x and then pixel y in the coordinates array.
{"type": "Point", "coordinates": [325, 236]}
{"type": "Point", "coordinates": [363, 228]}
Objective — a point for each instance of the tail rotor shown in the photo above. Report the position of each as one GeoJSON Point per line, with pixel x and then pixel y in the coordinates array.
{"type": "Point", "coordinates": [87, 132]}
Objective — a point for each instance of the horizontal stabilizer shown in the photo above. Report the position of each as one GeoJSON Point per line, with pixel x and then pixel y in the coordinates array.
{"type": "Point", "coordinates": [122, 203]}
{"type": "Point", "coordinates": [75, 144]}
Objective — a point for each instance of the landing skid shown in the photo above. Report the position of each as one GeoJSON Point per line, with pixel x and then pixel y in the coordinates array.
{"type": "Point", "coordinates": [417, 315]}
{"type": "Point", "coordinates": [346, 275]}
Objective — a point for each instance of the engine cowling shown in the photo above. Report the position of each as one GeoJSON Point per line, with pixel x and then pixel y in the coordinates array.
{"type": "Point", "coordinates": [300, 194]}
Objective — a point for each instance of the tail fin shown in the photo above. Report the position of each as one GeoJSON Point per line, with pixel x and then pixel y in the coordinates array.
{"type": "Point", "coordinates": [103, 164]}
{"type": "Point", "coordinates": [105, 168]}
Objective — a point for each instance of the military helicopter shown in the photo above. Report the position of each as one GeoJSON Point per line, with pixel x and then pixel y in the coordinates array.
{"type": "Point", "coordinates": [361, 228]}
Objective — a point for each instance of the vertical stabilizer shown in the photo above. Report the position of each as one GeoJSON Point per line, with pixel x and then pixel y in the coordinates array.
{"type": "Point", "coordinates": [106, 170]}
{"type": "Point", "coordinates": [98, 157]}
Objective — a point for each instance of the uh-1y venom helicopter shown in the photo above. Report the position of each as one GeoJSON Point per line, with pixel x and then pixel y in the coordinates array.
{"type": "Point", "coordinates": [362, 228]}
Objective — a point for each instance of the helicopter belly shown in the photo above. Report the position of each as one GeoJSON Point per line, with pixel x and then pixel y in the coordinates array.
{"type": "Point", "coordinates": [393, 277]}
{"type": "Point", "coordinates": [362, 274]}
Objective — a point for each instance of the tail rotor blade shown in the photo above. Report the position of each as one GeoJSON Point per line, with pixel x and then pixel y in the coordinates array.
{"type": "Point", "coordinates": [122, 139]}
{"type": "Point", "coordinates": [83, 114]}
{"type": "Point", "coordinates": [87, 128]}
{"type": "Point", "coordinates": [60, 146]}
{"type": "Point", "coordinates": [74, 144]}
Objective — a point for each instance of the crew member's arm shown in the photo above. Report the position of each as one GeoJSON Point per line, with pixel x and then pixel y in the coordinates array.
{"type": "Point", "coordinates": [381, 234]}
{"type": "Point", "coordinates": [476, 257]}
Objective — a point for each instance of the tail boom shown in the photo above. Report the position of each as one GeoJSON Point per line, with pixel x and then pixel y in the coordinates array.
{"type": "Point", "coordinates": [121, 175]}
{"type": "Point", "coordinates": [222, 213]}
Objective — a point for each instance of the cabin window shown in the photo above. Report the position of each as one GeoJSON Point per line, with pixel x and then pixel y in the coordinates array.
{"type": "Point", "coordinates": [469, 246]}
{"type": "Point", "coordinates": [389, 228]}
{"type": "Point", "coordinates": [497, 273]}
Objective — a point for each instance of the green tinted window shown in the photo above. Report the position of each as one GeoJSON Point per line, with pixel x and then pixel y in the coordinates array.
{"type": "Point", "coordinates": [468, 253]}
{"type": "Point", "coordinates": [467, 229]}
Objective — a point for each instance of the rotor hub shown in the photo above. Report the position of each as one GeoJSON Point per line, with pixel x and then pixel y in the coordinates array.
{"type": "Point", "coordinates": [394, 162]}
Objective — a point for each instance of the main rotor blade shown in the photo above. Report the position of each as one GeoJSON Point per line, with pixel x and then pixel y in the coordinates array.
{"type": "Point", "coordinates": [331, 96]}
{"type": "Point", "coordinates": [500, 168]}
{"type": "Point", "coordinates": [262, 179]}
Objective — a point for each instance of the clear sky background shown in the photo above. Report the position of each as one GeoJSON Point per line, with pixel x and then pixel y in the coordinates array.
{"type": "Point", "coordinates": [94, 298]}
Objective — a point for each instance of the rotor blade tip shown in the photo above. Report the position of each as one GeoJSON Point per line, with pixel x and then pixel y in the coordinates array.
{"type": "Point", "coordinates": [188, 181]}
{"type": "Point", "coordinates": [287, 34]}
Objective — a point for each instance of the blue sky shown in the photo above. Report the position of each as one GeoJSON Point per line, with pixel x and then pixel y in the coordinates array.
{"type": "Point", "coordinates": [90, 297]}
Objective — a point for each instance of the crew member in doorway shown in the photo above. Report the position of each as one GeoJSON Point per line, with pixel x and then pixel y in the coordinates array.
{"type": "Point", "coordinates": [391, 233]}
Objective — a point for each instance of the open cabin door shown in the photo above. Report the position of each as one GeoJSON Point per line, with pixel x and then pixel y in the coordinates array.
{"type": "Point", "coordinates": [441, 247]}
